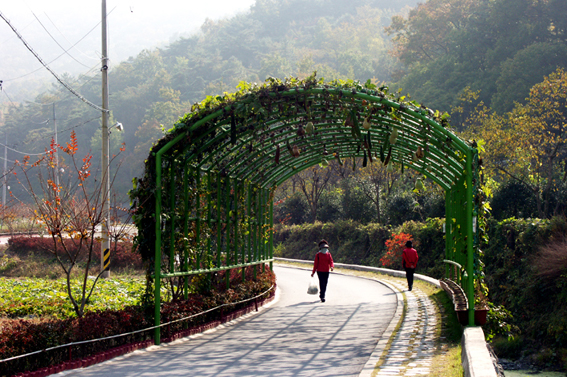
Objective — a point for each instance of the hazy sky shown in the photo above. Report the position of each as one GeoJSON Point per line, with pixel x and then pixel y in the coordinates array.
{"type": "Point", "coordinates": [133, 25]}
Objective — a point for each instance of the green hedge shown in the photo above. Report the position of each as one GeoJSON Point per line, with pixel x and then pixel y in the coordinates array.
{"type": "Point", "coordinates": [354, 243]}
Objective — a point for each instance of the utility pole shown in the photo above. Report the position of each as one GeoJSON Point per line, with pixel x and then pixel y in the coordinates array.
{"type": "Point", "coordinates": [5, 173]}
{"type": "Point", "coordinates": [56, 153]}
{"type": "Point", "coordinates": [105, 183]}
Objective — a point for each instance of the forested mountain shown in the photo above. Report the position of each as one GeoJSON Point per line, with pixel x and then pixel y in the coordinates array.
{"type": "Point", "coordinates": [439, 52]}
{"type": "Point", "coordinates": [501, 48]}
{"type": "Point", "coordinates": [276, 38]}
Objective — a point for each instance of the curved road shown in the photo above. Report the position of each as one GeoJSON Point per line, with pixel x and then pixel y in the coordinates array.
{"type": "Point", "coordinates": [295, 336]}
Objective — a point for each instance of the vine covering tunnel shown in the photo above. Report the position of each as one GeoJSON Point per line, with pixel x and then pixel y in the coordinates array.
{"type": "Point", "coordinates": [205, 202]}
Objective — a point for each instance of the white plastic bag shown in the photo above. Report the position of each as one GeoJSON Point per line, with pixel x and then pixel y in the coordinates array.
{"type": "Point", "coordinates": [313, 287]}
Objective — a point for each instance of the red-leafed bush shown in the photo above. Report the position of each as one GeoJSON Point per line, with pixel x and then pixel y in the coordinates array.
{"type": "Point", "coordinates": [122, 254]}
{"type": "Point", "coordinates": [21, 336]}
{"type": "Point", "coordinates": [395, 247]}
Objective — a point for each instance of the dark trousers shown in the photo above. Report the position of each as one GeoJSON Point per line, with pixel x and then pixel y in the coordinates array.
{"type": "Point", "coordinates": [323, 279]}
{"type": "Point", "coordinates": [409, 276]}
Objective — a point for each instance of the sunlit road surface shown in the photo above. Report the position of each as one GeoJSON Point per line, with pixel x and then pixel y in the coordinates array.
{"type": "Point", "coordinates": [296, 336]}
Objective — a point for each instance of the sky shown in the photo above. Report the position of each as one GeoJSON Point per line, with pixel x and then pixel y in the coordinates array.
{"type": "Point", "coordinates": [53, 26]}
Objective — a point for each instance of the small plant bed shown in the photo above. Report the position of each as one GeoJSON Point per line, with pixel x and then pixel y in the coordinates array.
{"type": "Point", "coordinates": [458, 297]}
{"type": "Point", "coordinates": [38, 331]}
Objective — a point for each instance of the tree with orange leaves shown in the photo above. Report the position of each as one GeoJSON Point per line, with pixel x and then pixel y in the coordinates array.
{"type": "Point", "coordinates": [70, 210]}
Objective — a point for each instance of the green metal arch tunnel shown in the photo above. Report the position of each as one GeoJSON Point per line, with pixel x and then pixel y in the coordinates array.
{"type": "Point", "coordinates": [210, 180]}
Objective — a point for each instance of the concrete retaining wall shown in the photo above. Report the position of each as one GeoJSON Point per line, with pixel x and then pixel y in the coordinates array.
{"type": "Point", "coordinates": [475, 357]}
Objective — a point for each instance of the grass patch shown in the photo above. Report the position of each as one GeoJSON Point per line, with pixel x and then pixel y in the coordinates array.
{"type": "Point", "coordinates": [25, 297]}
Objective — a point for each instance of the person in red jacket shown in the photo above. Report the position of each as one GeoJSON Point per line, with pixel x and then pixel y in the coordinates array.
{"type": "Point", "coordinates": [409, 262]}
{"type": "Point", "coordinates": [323, 263]}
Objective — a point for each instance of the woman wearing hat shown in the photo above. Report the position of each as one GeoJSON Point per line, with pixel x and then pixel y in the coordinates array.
{"type": "Point", "coordinates": [323, 263]}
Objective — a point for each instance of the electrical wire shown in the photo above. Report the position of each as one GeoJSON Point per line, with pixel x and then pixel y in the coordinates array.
{"type": "Point", "coordinates": [58, 44]}
{"type": "Point", "coordinates": [68, 41]}
{"type": "Point", "coordinates": [9, 99]}
{"type": "Point", "coordinates": [2, 158]}
{"type": "Point", "coordinates": [76, 43]}
{"type": "Point", "coordinates": [50, 70]}
{"type": "Point", "coordinates": [41, 61]}
{"type": "Point", "coordinates": [25, 154]}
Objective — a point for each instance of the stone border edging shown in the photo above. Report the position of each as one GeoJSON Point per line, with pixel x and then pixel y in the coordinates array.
{"type": "Point", "coordinates": [387, 336]}
{"type": "Point", "coordinates": [475, 357]}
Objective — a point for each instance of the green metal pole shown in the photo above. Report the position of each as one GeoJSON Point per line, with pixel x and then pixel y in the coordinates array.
{"type": "Point", "coordinates": [255, 235]}
{"type": "Point", "coordinates": [209, 213]}
{"type": "Point", "coordinates": [447, 231]}
{"type": "Point", "coordinates": [157, 265]}
{"type": "Point", "coordinates": [227, 216]}
{"type": "Point", "coordinates": [209, 218]}
{"type": "Point", "coordinates": [264, 239]}
{"type": "Point", "coordinates": [469, 225]}
{"type": "Point", "coordinates": [219, 220]}
{"type": "Point", "coordinates": [271, 234]}
{"type": "Point", "coordinates": [186, 231]}
{"type": "Point", "coordinates": [172, 221]}
{"type": "Point", "coordinates": [249, 214]}
{"type": "Point", "coordinates": [198, 221]}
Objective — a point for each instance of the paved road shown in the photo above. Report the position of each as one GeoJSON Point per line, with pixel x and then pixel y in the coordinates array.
{"type": "Point", "coordinates": [296, 336]}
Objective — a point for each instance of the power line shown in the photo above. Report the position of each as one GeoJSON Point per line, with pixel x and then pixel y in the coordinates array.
{"type": "Point", "coordinates": [58, 44]}
{"type": "Point", "coordinates": [60, 55]}
{"type": "Point", "coordinates": [2, 158]}
{"type": "Point", "coordinates": [7, 96]}
{"type": "Point", "coordinates": [50, 70]}
{"type": "Point", "coordinates": [65, 51]}
{"type": "Point", "coordinates": [68, 41]}
{"type": "Point", "coordinates": [24, 153]}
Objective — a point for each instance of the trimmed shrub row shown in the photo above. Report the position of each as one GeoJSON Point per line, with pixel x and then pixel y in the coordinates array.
{"type": "Point", "coordinates": [364, 244]}
{"type": "Point", "coordinates": [122, 254]}
{"type": "Point", "coordinates": [21, 336]}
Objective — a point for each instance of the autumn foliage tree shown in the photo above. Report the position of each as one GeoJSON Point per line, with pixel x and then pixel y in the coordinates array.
{"type": "Point", "coordinates": [529, 144]}
{"type": "Point", "coordinates": [70, 209]}
{"type": "Point", "coordinates": [394, 249]}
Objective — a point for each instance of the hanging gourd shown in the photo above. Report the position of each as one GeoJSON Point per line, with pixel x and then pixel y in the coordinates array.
{"type": "Point", "coordinates": [419, 184]}
{"type": "Point", "coordinates": [295, 151]}
{"type": "Point", "coordinates": [277, 154]}
{"type": "Point", "coordinates": [309, 128]}
{"type": "Point", "coordinates": [393, 136]}
{"type": "Point", "coordinates": [387, 160]}
{"type": "Point", "coordinates": [232, 129]}
{"type": "Point", "coordinates": [419, 153]}
{"type": "Point", "coordinates": [366, 124]}
{"type": "Point", "coordinates": [390, 168]}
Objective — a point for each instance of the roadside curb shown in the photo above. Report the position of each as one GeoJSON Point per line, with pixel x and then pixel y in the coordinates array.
{"type": "Point", "coordinates": [388, 335]}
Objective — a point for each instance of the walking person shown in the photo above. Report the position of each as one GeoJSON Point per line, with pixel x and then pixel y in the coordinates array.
{"type": "Point", "coordinates": [322, 265]}
{"type": "Point", "coordinates": [409, 262]}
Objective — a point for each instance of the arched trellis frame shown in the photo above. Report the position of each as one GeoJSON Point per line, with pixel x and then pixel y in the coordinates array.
{"type": "Point", "coordinates": [211, 180]}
